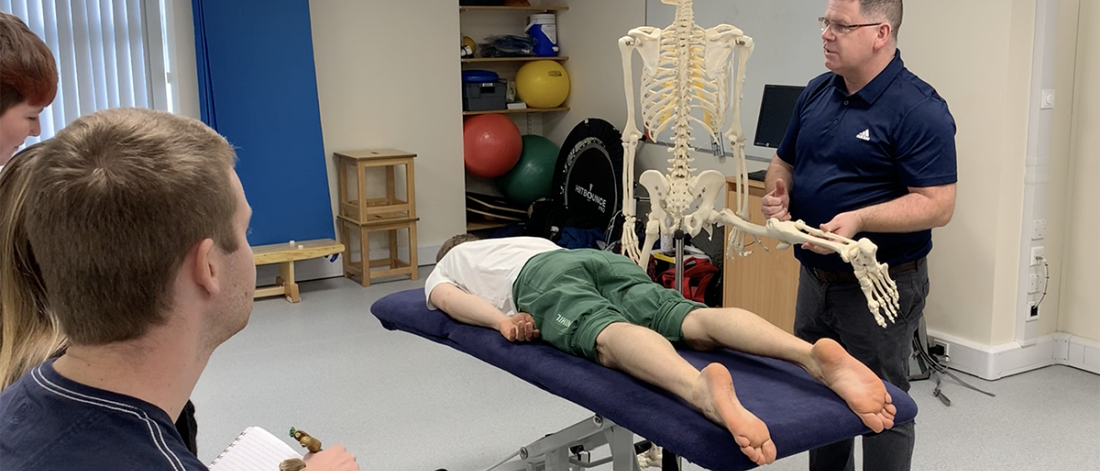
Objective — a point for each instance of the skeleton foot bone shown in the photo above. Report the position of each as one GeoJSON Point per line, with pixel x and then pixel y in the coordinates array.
{"type": "Point", "coordinates": [874, 278]}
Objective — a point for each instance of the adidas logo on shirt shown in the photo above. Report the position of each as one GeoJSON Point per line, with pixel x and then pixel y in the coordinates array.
{"type": "Point", "coordinates": [865, 135]}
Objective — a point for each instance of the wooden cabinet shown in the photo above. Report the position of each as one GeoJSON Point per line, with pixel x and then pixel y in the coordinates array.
{"type": "Point", "coordinates": [764, 282]}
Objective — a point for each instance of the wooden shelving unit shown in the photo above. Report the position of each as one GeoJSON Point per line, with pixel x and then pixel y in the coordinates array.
{"type": "Point", "coordinates": [474, 221]}
{"type": "Point", "coordinates": [481, 224]}
{"type": "Point", "coordinates": [531, 8]}
{"type": "Point", "coordinates": [525, 110]}
{"type": "Point", "coordinates": [512, 59]}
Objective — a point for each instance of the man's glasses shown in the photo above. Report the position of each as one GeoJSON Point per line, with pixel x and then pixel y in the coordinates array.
{"type": "Point", "coordinates": [841, 28]}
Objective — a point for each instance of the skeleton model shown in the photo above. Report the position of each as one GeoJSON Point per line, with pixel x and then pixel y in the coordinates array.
{"type": "Point", "coordinates": [686, 67]}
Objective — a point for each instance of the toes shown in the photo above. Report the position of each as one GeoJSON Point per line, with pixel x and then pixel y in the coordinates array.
{"type": "Point", "coordinates": [873, 422]}
{"type": "Point", "coordinates": [753, 454]}
{"type": "Point", "coordinates": [742, 441]}
{"type": "Point", "coordinates": [769, 451]}
{"type": "Point", "coordinates": [888, 423]}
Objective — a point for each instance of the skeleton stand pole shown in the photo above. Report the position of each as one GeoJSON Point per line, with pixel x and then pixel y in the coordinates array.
{"type": "Point", "coordinates": [679, 237]}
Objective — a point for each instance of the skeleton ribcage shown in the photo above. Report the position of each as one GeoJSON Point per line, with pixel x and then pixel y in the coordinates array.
{"type": "Point", "coordinates": [700, 100]}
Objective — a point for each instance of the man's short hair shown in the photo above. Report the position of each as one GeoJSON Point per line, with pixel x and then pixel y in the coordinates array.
{"type": "Point", "coordinates": [890, 10]}
{"type": "Point", "coordinates": [451, 243]}
{"type": "Point", "coordinates": [27, 68]}
{"type": "Point", "coordinates": [118, 199]}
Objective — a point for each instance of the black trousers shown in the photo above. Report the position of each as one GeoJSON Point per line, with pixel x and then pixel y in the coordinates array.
{"type": "Point", "coordinates": [838, 310]}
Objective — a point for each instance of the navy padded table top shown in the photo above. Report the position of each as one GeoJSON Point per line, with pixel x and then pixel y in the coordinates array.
{"type": "Point", "coordinates": [800, 412]}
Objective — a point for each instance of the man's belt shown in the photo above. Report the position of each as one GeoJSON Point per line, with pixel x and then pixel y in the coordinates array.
{"type": "Point", "coordinates": [847, 277]}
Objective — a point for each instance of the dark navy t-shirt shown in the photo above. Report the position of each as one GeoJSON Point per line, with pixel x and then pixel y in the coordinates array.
{"type": "Point", "coordinates": [858, 150]}
{"type": "Point", "coordinates": [51, 423]}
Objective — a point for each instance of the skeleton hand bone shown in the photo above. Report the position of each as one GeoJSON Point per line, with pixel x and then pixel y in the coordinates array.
{"type": "Point", "coordinates": [630, 240]}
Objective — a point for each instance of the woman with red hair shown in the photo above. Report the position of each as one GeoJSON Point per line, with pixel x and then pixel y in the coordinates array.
{"type": "Point", "coordinates": [28, 83]}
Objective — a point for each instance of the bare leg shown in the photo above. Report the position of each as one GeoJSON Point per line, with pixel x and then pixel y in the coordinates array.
{"type": "Point", "coordinates": [826, 360]}
{"type": "Point", "coordinates": [646, 355]}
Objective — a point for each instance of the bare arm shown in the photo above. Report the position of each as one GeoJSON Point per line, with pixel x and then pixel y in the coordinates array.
{"type": "Point", "coordinates": [923, 208]}
{"type": "Point", "coordinates": [465, 307]}
{"type": "Point", "coordinates": [471, 309]}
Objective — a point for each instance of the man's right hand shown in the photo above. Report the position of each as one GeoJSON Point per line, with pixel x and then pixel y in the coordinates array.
{"type": "Point", "coordinates": [775, 203]}
{"type": "Point", "coordinates": [519, 328]}
{"type": "Point", "coordinates": [335, 458]}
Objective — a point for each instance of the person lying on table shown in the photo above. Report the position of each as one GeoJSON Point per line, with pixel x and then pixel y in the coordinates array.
{"type": "Point", "coordinates": [601, 306]}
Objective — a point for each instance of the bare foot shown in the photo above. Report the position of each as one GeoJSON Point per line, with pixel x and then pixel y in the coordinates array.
{"type": "Point", "coordinates": [855, 383]}
{"type": "Point", "coordinates": [715, 397]}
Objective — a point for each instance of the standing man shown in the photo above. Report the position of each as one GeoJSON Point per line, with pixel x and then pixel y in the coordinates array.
{"type": "Point", "coordinates": [869, 152]}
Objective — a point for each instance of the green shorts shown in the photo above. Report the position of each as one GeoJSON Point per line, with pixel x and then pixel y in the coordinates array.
{"type": "Point", "coordinates": [574, 294]}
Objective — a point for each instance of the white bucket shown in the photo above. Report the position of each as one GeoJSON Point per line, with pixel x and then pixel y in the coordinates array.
{"type": "Point", "coordinates": [544, 28]}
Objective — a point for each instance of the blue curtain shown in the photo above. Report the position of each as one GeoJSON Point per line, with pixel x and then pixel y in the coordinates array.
{"type": "Point", "coordinates": [258, 88]}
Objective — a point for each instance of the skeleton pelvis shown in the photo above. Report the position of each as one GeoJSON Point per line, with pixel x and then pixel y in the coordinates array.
{"type": "Point", "coordinates": [657, 185]}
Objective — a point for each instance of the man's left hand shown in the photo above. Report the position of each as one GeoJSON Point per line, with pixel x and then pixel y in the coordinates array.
{"type": "Point", "coordinates": [844, 225]}
{"type": "Point", "coordinates": [519, 328]}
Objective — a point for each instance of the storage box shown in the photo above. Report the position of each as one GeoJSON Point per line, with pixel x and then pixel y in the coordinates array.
{"type": "Point", "coordinates": [484, 96]}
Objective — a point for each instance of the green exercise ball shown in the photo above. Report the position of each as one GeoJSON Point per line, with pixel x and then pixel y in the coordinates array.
{"type": "Point", "coordinates": [530, 179]}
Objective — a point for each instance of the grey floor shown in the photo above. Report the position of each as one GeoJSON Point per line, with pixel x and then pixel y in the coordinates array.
{"type": "Point", "coordinates": [399, 402]}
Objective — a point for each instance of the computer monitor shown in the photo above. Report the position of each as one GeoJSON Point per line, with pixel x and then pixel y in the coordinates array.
{"type": "Point", "coordinates": [775, 113]}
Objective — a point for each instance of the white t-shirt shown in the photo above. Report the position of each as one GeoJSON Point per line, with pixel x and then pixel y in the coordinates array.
{"type": "Point", "coordinates": [487, 268]}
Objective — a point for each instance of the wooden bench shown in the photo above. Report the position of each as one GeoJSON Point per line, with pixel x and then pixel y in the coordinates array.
{"type": "Point", "coordinates": [285, 255]}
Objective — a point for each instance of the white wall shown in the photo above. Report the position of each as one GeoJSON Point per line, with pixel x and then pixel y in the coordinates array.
{"type": "Point", "coordinates": [181, 39]}
{"type": "Point", "coordinates": [388, 76]}
{"type": "Point", "coordinates": [1079, 314]}
{"type": "Point", "coordinates": [974, 257]}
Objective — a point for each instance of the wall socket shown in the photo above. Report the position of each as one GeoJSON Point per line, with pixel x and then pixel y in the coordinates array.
{"type": "Point", "coordinates": [940, 350]}
{"type": "Point", "coordinates": [1032, 311]}
{"type": "Point", "coordinates": [1037, 254]}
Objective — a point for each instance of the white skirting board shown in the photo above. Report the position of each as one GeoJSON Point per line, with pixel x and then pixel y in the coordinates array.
{"type": "Point", "coordinates": [320, 268]}
{"type": "Point", "coordinates": [992, 362]}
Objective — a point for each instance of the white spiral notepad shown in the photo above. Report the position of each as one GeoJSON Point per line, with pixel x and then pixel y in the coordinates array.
{"type": "Point", "coordinates": [255, 449]}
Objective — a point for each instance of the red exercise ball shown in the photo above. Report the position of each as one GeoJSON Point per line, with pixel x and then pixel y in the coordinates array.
{"type": "Point", "coordinates": [491, 144]}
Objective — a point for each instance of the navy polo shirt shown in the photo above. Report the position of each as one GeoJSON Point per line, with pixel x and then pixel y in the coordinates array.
{"type": "Point", "coordinates": [858, 150]}
{"type": "Point", "coordinates": [50, 423]}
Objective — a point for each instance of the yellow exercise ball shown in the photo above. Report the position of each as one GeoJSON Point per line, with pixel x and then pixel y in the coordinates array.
{"type": "Point", "coordinates": [542, 84]}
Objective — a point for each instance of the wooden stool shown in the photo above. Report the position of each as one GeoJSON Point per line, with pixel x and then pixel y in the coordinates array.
{"type": "Point", "coordinates": [390, 213]}
{"type": "Point", "coordinates": [395, 265]}
{"type": "Point", "coordinates": [362, 209]}
{"type": "Point", "coordinates": [285, 255]}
